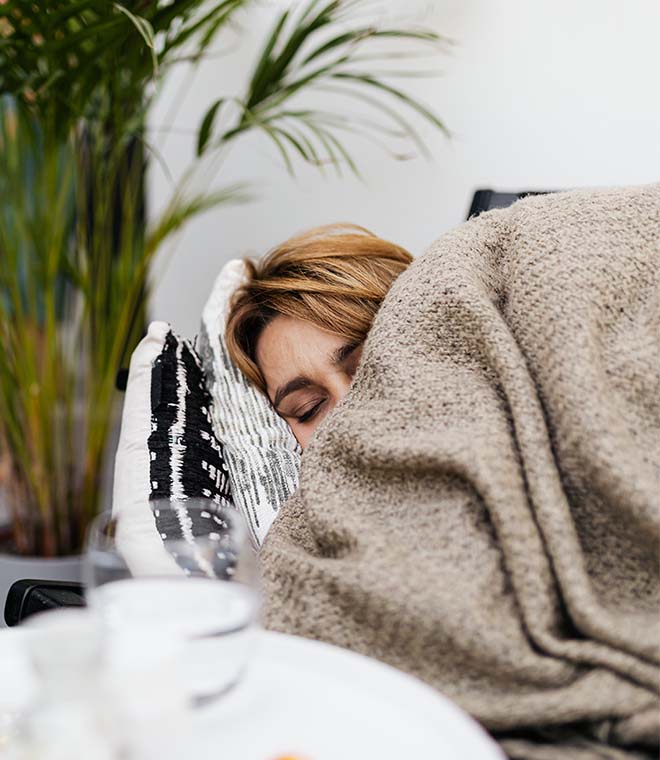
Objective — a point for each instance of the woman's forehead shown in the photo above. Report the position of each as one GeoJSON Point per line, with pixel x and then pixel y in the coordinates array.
{"type": "Point", "coordinates": [288, 347]}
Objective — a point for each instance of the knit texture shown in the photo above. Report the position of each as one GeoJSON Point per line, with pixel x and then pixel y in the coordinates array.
{"type": "Point", "coordinates": [483, 508]}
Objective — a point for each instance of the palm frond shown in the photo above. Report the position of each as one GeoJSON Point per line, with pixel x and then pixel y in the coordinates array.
{"type": "Point", "coordinates": [304, 53]}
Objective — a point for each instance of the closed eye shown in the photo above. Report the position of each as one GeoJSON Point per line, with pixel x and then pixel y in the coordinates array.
{"type": "Point", "coordinates": [310, 413]}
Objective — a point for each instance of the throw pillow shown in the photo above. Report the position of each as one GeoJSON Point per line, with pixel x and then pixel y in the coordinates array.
{"type": "Point", "coordinates": [167, 449]}
{"type": "Point", "coordinates": [260, 450]}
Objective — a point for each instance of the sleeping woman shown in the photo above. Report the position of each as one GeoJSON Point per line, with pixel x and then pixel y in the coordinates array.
{"type": "Point", "coordinates": [297, 327]}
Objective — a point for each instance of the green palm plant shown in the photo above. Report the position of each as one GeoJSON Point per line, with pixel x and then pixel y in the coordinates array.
{"type": "Point", "coordinates": [77, 78]}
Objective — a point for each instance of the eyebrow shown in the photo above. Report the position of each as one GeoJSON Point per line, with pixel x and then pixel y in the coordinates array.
{"type": "Point", "coordinates": [298, 383]}
{"type": "Point", "coordinates": [341, 354]}
{"type": "Point", "coordinates": [291, 387]}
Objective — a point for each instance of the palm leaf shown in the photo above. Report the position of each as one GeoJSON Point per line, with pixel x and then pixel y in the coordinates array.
{"type": "Point", "coordinates": [145, 30]}
{"type": "Point", "coordinates": [260, 75]}
{"type": "Point", "coordinates": [300, 54]}
{"type": "Point", "coordinates": [396, 92]}
{"type": "Point", "coordinates": [207, 125]}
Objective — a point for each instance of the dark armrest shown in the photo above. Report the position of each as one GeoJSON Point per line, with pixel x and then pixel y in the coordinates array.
{"type": "Point", "coordinates": [28, 597]}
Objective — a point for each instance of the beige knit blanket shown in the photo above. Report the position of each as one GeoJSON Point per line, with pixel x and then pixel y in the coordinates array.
{"type": "Point", "coordinates": [483, 509]}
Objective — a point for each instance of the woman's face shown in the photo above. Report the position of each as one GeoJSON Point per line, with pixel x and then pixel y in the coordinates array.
{"type": "Point", "coordinates": [307, 371]}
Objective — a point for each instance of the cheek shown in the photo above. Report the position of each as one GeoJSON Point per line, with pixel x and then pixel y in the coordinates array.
{"type": "Point", "coordinates": [303, 433]}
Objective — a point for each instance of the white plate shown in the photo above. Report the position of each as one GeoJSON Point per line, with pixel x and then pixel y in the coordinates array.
{"type": "Point", "coordinates": [303, 699]}
{"type": "Point", "coordinates": [318, 702]}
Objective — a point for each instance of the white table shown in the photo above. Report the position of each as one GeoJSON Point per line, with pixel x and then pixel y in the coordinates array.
{"type": "Point", "coordinates": [313, 701]}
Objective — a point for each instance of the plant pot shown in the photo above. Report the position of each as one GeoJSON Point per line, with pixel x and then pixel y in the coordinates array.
{"type": "Point", "coordinates": [14, 568]}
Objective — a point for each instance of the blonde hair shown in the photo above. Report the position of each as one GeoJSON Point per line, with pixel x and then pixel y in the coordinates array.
{"type": "Point", "coordinates": [335, 277]}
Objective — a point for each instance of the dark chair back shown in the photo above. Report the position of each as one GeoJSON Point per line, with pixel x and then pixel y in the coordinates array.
{"type": "Point", "coordinates": [28, 597]}
{"type": "Point", "coordinates": [486, 200]}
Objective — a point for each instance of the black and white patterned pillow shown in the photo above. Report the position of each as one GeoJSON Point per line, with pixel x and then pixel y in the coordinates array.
{"type": "Point", "coordinates": [167, 448]}
{"type": "Point", "coordinates": [185, 458]}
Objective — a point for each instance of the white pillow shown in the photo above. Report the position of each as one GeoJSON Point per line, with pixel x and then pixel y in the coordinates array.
{"type": "Point", "coordinates": [260, 450]}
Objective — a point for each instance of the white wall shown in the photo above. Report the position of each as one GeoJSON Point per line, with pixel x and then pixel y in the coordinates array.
{"type": "Point", "coordinates": [537, 93]}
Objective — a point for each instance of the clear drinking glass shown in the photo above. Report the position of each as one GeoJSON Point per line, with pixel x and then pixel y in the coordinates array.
{"type": "Point", "coordinates": [177, 590]}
